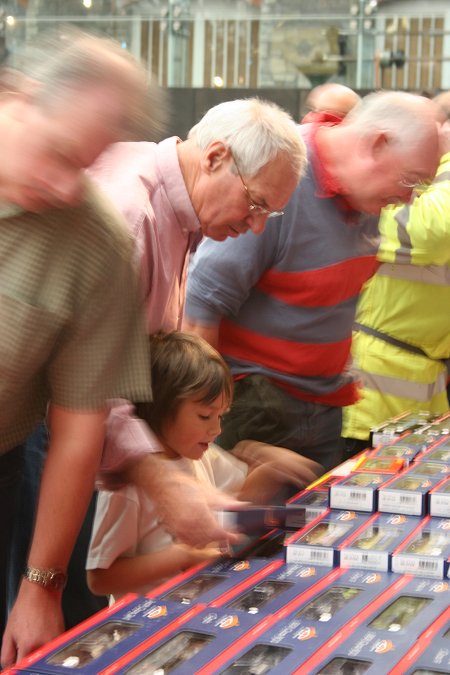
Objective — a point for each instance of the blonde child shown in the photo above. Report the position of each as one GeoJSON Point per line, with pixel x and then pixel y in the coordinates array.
{"type": "Point", "coordinates": [130, 550]}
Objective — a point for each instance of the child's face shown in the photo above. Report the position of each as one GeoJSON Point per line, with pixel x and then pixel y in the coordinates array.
{"type": "Point", "coordinates": [194, 426]}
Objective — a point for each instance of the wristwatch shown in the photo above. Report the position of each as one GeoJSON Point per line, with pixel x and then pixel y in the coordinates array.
{"type": "Point", "coordinates": [54, 579]}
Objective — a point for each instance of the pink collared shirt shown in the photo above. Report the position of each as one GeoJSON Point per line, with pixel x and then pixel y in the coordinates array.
{"type": "Point", "coordinates": [145, 183]}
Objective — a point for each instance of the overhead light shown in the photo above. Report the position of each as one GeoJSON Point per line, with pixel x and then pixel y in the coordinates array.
{"type": "Point", "coordinates": [218, 81]}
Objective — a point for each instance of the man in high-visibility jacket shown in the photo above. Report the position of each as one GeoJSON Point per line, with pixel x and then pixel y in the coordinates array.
{"type": "Point", "coordinates": [401, 343]}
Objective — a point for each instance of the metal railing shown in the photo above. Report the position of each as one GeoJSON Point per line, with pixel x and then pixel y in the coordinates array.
{"type": "Point", "coordinates": [266, 51]}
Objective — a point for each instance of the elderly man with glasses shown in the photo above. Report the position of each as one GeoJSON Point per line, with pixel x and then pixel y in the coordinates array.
{"type": "Point", "coordinates": [280, 307]}
{"type": "Point", "coordinates": [175, 192]}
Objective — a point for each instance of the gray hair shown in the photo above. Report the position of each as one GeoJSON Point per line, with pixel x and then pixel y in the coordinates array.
{"type": "Point", "coordinates": [256, 132]}
{"type": "Point", "coordinates": [66, 58]}
{"type": "Point", "coordinates": [402, 115]}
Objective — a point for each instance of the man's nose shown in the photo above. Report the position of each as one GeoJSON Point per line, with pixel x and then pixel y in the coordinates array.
{"type": "Point", "coordinates": [257, 222]}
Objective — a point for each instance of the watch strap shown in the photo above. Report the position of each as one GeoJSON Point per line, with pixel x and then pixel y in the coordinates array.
{"type": "Point", "coordinates": [53, 578]}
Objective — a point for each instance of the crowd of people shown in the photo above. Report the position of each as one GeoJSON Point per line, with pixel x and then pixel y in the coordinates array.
{"type": "Point", "coordinates": [177, 316]}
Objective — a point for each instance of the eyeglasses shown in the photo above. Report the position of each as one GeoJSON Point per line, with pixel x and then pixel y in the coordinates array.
{"type": "Point", "coordinates": [253, 207]}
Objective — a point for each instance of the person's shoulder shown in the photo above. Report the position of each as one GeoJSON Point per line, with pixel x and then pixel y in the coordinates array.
{"type": "Point", "coordinates": [100, 221]}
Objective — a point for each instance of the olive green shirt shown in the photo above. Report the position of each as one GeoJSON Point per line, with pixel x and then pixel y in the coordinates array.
{"type": "Point", "coordinates": [71, 317]}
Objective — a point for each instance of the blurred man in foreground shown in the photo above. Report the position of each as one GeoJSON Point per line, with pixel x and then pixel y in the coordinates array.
{"type": "Point", "coordinates": [71, 328]}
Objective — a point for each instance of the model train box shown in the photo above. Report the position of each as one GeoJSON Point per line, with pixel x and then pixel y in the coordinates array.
{"type": "Point", "coordinates": [403, 450]}
{"type": "Point", "coordinates": [358, 492]}
{"type": "Point", "coordinates": [372, 546]}
{"type": "Point", "coordinates": [105, 637]}
{"type": "Point", "coordinates": [303, 625]}
{"type": "Point", "coordinates": [273, 591]}
{"type": "Point", "coordinates": [315, 502]}
{"type": "Point", "coordinates": [407, 493]}
{"type": "Point", "coordinates": [430, 655]}
{"type": "Point", "coordinates": [426, 467]}
{"type": "Point", "coordinates": [379, 643]}
{"type": "Point", "coordinates": [202, 585]}
{"type": "Point", "coordinates": [190, 648]}
{"type": "Point", "coordinates": [439, 499]}
{"type": "Point", "coordinates": [318, 543]}
{"type": "Point", "coordinates": [259, 519]}
{"type": "Point", "coordinates": [439, 452]}
{"type": "Point", "coordinates": [394, 428]}
{"type": "Point", "coordinates": [426, 551]}
{"type": "Point", "coordinates": [382, 464]}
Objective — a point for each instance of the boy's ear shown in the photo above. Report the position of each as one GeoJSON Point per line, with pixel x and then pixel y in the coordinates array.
{"type": "Point", "coordinates": [216, 154]}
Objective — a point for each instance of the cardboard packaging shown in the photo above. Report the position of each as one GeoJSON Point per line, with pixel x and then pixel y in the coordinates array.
{"type": "Point", "coordinates": [378, 643]}
{"type": "Point", "coordinates": [401, 448]}
{"type": "Point", "coordinates": [372, 546]}
{"type": "Point", "coordinates": [318, 543]}
{"type": "Point", "coordinates": [439, 452]}
{"type": "Point", "coordinates": [303, 625]}
{"type": "Point", "coordinates": [431, 653]}
{"type": "Point", "coordinates": [382, 464]}
{"type": "Point", "coordinates": [204, 584]}
{"type": "Point", "coordinates": [407, 494]}
{"type": "Point", "coordinates": [315, 502]}
{"type": "Point", "coordinates": [394, 428]}
{"type": "Point", "coordinates": [191, 647]}
{"type": "Point", "coordinates": [104, 638]}
{"type": "Point", "coordinates": [426, 551]}
{"type": "Point", "coordinates": [270, 593]}
{"type": "Point", "coordinates": [358, 492]}
{"type": "Point", "coordinates": [426, 467]}
{"type": "Point", "coordinates": [259, 519]}
{"type": "Point", "coordinates": [439, 499]}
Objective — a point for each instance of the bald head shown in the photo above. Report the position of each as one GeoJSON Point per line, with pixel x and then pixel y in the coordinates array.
{"type": "Point", "coordinates": [332, 97]}
{"type": "Point", "coordinates": [394, 144]}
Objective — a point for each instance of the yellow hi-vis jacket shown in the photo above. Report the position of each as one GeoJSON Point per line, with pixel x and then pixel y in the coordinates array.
{"type": "Point", "coordinates": [408, 299]}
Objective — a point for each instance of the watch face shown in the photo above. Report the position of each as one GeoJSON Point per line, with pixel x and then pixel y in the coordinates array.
{"type": "Point", "coordinates": [57, 580]}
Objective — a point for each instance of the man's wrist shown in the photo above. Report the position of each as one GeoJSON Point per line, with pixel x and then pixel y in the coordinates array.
{"type": "Point", "coordinates": [53, 578]}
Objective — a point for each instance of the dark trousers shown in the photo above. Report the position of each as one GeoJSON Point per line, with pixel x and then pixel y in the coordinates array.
{"type": "Point", "coordinates": [78, 602]}
{"type": "Point", "coordinates": [263, 412]}
{"type": "Point", "coordinates": [10, 478]}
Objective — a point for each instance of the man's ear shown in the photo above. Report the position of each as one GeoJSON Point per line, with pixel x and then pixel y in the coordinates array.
{"type": "Point", "coordinates": [379, 140]}
{"type": "Point", "coordinates": [215, 156]}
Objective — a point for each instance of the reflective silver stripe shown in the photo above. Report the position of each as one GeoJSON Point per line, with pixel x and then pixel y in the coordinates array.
{"type": "Point", "coordinates": [440, 178]}
{"type": "Point", "coordinates": [403, 253]}
{"type": "Point", "coordinates": [402, 388]}
{"type": "Point", "coordinates": [437, 275]}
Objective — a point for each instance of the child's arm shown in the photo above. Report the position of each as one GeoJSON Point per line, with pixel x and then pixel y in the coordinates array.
{"type": "Point", "coordinates": [271, 468]}
{"type": "Point", "coordinates": [127, 575]}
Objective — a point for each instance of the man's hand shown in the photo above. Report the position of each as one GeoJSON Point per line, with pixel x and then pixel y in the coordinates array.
{"type": "Point", "coordinates": [35, 619]}
{"type": "Point", "coordinates": [272, 468]}
{"type": "Point", "coordinates": [185, 506]}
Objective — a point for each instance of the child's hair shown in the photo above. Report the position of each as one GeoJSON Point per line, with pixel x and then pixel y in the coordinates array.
{"type": "Point", "coordinates": [183, 365]}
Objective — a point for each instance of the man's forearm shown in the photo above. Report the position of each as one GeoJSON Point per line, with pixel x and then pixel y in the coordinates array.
{"type": "Point", "coordinates": [66, 487]}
